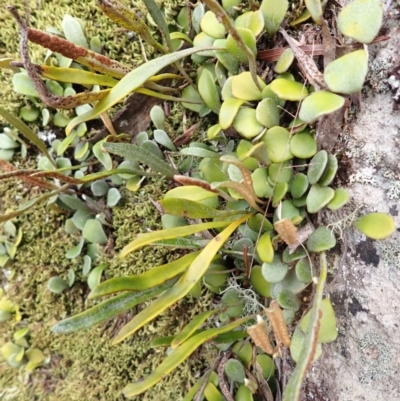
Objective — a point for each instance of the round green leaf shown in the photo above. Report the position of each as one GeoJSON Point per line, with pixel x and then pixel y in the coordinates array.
{"type": "Point", "coordinates": [277, 141]}
{"type": "Point", "coordinates": [252, 20]}
{"type": "Point", "coordinates": [317, 166]}
{"type": "Point", "coordinates": [203, 40]}
{"type": "Point", "coordinates": [267, 113]}
{"type": "Point", "coordinates": [244, 351]}
{"type": "Point", "coordinates": [6, 155]}
{"type": "Point", "coordinates": [290, 283]}
{"type": "Point", "coordinates": [246, 124]}
{"type": "Point", "coordinates": [7, 143]}
{"type": "Point", "coordinates": [327, 325]}
{"type": "Point", "coordinates": [215, 276]}
{"type": "Point", "coordinates": [80, 217]}
{"type": "Point", "coordinates": [274, 12]}
{"type": "Point", "coordinates": [99, 187]}
{"type": "Point", "coordinates": [57, 285]}
{"type": "Point", "coordinates": [318, 104]}
{"type": "Point", "coordinates": [95, 276]}
{"type": "Point", "coordinates": [71, 277]}
{"type": "Point", "coordinates": [228, 112]}
{"type": "Point", "coordinates": [265, 250]}
{"type": "Point", "coordinates": [210, 25]}
{"type": "Point", "coordinates": [280, 191]}
{"type": "Point", "coordinates": [340, 199]}
{"type": "Point", "coordinates": [93, 232]}
{"type": "Point", "coordinates": [23, 85]}
{"type": "Point", "coordinates": [376, 225]}
{"type": "Point", "coordinates": [73, 31]}
{"type": "Point", "coordinates": [161, 137]}
{"type": "Point", "coordinates": [260, 183]}
{"type": "Point", "coordinates": [361, 20]}
{"type": "Point", "coordinates": [347, 73]}
{"type": "Point", "coordinates": [318, 197]}
{"type": "Point", "coordinates": [258, 221]}
{"type": "Point", "coordinates": [190, 93]}
{"type": "Point", "coordinates": [267, 365]}
{"type": "Point", "coordinates": [299, 185]}
{"type": "Point", "coordinates": [286, 299]}
{"type": "Point", "coordinates": [260, 285]}
{"type": "Point", "coordinates": [197, 16]}
{"type": "Point", "coordinates": [243, 393]}
{"type": "Point", "coordinates": [303, 270]}
{"type": "Point", "coordinates": [128, 164]}
{"type": "Point", "coordinates": [288, 90]}
{"type": "Point", "coordinates": [234, 302]}
{"type": "Point", "coordinates": [298, 254]}
{"type": "Point", "coordinates": [76, 250]}
{"type": "Point", "coordinates": [249, 39]}
{"type": "Point", "coordinates": [303, 145]}
{"type": "Point", "coordinates": [322, 239]}
{"type": "Point", "coordinates": [226, 58]}
{"type": "Point", "coordinates": [208, 91]}
{"type": "Point", "coordinates": [113, 197]}
{"type": "Point", "coordinates": [35, 358]}
{"type": "Point", "coordinates": [29, 113]}
{"type": "Point", "coordinates": [275, 271]}
{"type": "Point", "coordinates": [280, 172]}
{"type": "Point", "coordinates": [235, 370]}
{"type": "Point", "coordinates": [60, 120]}
{"type": "Point", "coordinates": [87, 265]}
{"type": "Point", "coordinates": [103, 157]}
{"type": "Point", "coordinates": [213, 131]}
{"type": "Point", "coordinates": [314, 7]}
{"type": "Point", "coordinates": [56, 89]}
{"type": "Point", "coordinates": [242, 150]}
{"type": "Point", "coordinates": [171, 221]}
{"type": "Point", "coordinates": [284, 61]}
{"type": "Point", "coordinates": [157, 116]}
{"type": "Point", "coordinates": [330, 171]}
{"type": "Point", "coordinates": [243, 87]}
{"type": "Point", "coordinates": [212, 170]}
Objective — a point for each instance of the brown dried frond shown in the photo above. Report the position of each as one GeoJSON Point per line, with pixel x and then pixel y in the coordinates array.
{"type": "Point", "coordinates": [277, 320]}
{"type": "Point", "coordinates": [24, 175]}
{"type": "Point", "coordinates": [287, 230]}
{"type": "Point", "coordinates": [258, 333]}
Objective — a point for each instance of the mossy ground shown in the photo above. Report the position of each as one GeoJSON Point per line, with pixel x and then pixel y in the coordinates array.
{"type": "Point", "coordinates": [83, 366]}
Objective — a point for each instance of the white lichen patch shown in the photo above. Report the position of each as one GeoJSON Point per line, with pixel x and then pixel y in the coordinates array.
{"type": "Point", "coordinates": [389, 251]}
{"type": "Point", "coordinates": [376, 358]}
{"type": "Point", "coordinates": [377, 77]}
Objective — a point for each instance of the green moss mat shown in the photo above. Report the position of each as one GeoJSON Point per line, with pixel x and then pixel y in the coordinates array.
{"type": "Point", "coordinates": [84, 366]}
{"type": "Point", "coordinates": [118, 43]}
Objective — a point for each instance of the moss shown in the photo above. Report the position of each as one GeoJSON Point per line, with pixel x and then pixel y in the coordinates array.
{"type": "Point", "coordinates": [118, 43]}
{"type": "Point", "coordinates": [84, 365]}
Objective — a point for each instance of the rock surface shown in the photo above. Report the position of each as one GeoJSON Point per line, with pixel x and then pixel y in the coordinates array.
{"type": "Point", "coordinates": [363, 363]}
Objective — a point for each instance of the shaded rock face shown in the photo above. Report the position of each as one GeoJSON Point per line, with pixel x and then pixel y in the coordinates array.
{"type": "Point", "coordinates": [363, 363]}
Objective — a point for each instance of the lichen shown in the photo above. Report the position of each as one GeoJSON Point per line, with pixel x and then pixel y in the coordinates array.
{"type": "Point", "coordinates": [378, 74]}
{"type": "Point", "coordinates": [375, 357]}
{"type": "Point", "coordinates": [389, 252]}
{"type": "Point", "coordinates": [361, 178]}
